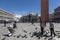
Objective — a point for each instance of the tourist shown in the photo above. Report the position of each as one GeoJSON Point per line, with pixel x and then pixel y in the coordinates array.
{"type": "Point", "coordinates": [52, 29]}
{"type": "Point", "coordinates": [32, 21]}
{"type": "Point", "coordinates": [45, 24]}
{"type": "Point", "coordinates": [42, 28]}
{"type": "Point", "coordinates": [4, 23]}
{"type": "Point", "coordinates": [14, 25]}
{"type": "Point", "coordinates": [10, 32]}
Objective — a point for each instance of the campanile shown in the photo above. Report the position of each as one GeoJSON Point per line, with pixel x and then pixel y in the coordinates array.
{"type": "Point", "coordinates": [44, 10]}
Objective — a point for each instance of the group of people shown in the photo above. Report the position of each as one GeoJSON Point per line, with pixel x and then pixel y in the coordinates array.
{"type": "Point", "coordinates": [14, 24]}
{"type": "Point", "coordinates": [51, 27]}
{"type": "Point", "coordinates": [10, 28]}
{"type": "Point", "coordinates": [42, 25]}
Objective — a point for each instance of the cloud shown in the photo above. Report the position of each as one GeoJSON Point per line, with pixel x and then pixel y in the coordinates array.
{"type": "Point", "coordinates": [38, 15]}
{"type": "Point", "coordinates": [19, 16]}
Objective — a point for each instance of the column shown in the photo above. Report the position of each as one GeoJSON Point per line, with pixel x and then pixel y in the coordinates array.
{"type": "Point", "coordinates": [44, 10]}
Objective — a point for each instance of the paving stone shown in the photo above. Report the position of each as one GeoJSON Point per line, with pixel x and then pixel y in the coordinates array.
{"type": "Point", "coordinates": [28, 31]}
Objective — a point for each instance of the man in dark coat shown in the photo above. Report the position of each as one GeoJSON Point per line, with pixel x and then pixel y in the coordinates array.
{"type": "Point", "coordinates": [14, 25]}
{"type": "Point", "coordinates": [4, 23]}
{"type": "Point", "coordinates": [42, 28]}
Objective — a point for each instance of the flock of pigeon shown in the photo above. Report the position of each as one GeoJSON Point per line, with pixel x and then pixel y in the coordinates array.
{"type": "Point", "coordinates": [28, 31]}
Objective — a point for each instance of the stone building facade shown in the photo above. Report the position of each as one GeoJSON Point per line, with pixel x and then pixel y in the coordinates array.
{"type": "Point", "coordinates": [57, 14]}
{"type": "Point", "coordinates": [6, 16]}
{"type": "Point", "coordinates": [55, 17]}
{"type": "Point", "coordinates": [30, 18]}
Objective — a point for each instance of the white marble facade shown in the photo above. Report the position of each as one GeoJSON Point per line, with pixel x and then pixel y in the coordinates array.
{"type": "Point", "coordinates": [4, 15]}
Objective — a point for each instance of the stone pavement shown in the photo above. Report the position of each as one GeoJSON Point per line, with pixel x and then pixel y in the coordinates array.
{"type": "Point", "coordinates": [24, 31]}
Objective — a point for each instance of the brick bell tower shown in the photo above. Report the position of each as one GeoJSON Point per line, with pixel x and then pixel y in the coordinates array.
{"type": "Point", "coordinates": [44, 10]}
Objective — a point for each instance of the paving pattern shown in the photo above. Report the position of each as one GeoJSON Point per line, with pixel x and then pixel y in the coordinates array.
{"type": "Point", "coordinates": [27, 31]}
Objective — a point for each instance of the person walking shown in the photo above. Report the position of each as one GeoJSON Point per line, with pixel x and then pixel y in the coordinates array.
{"type": "Point", "coordinates": [14, 25]}
{"type": "Point", "coordinates": [32, 21]}
{"type": "Point", "coordinates": [52, 29]}
{"type": "Point", "coordinates": [42, 28]}
{"type": "Point", "coordinates": [4, 23]}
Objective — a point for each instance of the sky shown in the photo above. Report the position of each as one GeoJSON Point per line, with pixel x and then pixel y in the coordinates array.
{"type": "Point", "coordinates": [22, 7]}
